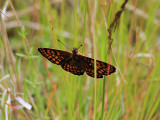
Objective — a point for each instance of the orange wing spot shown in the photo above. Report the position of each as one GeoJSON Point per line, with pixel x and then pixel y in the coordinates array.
{"type": "Point", "coordinates": [56, 57]}
{"type": "Point", "coordinates": [48, 52]}
{"type": "Point", "coordinates": [52, 52]}
{"type": "Point", "coordinates": [57, 62]}
{"type": "Point", "coordinates": [103, 65]}
{"type": "Point", "coordinates": [58, 53]}
{"type": "Point", "coordinates": [100, 72]}
{"type": "Point", "coordinates": [98, 67]}
{"type": "Point", "coordinates": [98, 63]}
{"type": "Point", "coordinates": [49, 57]}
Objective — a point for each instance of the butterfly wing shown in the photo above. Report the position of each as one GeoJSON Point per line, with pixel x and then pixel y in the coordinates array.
{"type": "Point", "coordinates": [55, 56]}
{"type": "Point", "coordinates": [73, 67]}
{"type": "Point", "coordinates": [90, 72]}
{"type": "Point", "coordinates": [102, 67]}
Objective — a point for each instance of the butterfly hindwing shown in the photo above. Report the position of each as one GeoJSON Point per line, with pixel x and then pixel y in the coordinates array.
{"type": "Point", "coordinates": [73, 67]}
{"type": "Point", "coordinates": [90, 72]}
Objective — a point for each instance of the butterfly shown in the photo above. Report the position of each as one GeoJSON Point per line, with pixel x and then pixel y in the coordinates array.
{"type": "Point", "coordinates": [77, 64]}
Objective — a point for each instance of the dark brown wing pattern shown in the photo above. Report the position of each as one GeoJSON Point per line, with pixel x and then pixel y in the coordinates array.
{"type": "Point", "coordinates": [73, 67]}
{"type": "Point", "coordinates": [55, 56]}
{"type": "Point", "coordinates": [102, 67]}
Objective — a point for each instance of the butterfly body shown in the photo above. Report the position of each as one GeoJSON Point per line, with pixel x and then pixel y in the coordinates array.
{"type": "Point", "coordinates": [75, 63]}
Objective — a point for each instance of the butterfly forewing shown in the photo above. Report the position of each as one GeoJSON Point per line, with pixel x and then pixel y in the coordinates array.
{"type": "Point", "coordinates": [55, 56]}
{"type": "Point", "coordinates": [102, 67]}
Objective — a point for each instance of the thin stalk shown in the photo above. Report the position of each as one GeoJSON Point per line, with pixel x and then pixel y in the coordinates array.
{"type": "Point", "coordinates": [83, 38]}
{"type": "Point", "coordinates": [104, 80]}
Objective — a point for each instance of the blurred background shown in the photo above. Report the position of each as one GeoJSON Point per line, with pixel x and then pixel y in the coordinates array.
{"type": "Point", "coordinates": [32, 88]}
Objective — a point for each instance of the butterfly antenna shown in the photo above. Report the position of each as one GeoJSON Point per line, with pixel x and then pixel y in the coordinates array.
{"type": "Point", "coordinates": [4, 14]}
{"type": "Point", "coordinates": [79, 46]}
{"type": "Point", "coordinates": [64, 44]}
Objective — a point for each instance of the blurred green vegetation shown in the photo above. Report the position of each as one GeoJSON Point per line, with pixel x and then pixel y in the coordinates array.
{"type": "Point", "coordinates": [133, 92]}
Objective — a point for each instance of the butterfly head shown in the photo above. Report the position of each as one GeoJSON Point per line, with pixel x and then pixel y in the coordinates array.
{"type": "Point", "coordinates": [75, 51]}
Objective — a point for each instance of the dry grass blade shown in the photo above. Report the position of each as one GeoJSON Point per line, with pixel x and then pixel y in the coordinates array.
{"type": "Point", "coordinates": [114, 24]}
